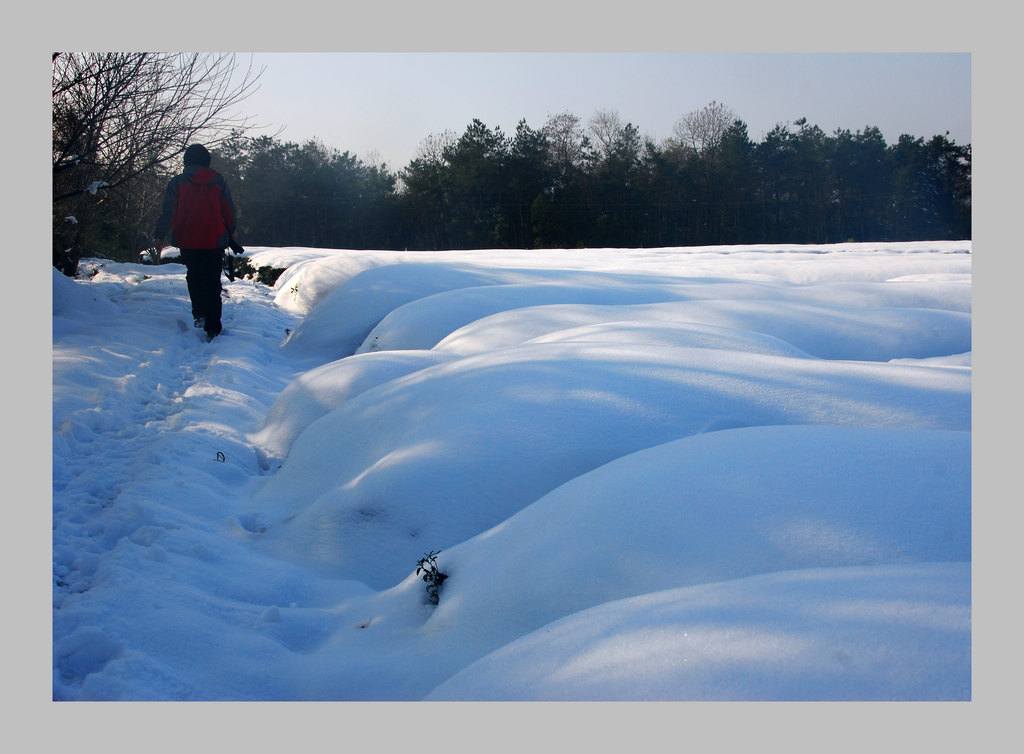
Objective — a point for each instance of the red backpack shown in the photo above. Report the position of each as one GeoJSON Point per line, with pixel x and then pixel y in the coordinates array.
{"type": "Point", "coordinates": [201, 214]}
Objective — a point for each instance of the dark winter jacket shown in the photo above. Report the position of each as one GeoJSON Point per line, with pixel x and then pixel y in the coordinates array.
{"type": "Point", "coordinates": [197, 210]}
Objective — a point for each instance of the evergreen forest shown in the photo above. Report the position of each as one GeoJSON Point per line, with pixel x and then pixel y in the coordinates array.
{"type": "Point", "coordinates": [567, 183]}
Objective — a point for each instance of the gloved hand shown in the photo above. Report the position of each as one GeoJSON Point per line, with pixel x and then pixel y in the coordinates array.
{"type": "Point", "coordinates": [236, 248]}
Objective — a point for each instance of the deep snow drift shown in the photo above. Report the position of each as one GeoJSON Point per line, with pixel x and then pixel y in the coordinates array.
{"type": "Point", "coordinates": [729, 473]}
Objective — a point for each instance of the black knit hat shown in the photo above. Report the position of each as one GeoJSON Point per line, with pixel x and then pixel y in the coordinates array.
{"type": "Point", "coordinates": [197, 154]}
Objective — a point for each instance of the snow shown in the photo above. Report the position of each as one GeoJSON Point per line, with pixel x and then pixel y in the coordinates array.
{"type": "Point", "coordinates": [719, 473]}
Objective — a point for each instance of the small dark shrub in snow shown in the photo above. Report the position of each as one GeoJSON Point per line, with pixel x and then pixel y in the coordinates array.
{"type": "Point", "coordinates": [268, 275]}
{"type": "Point", "coordinates": [242, 268]}
{"type": "Point", "coordinates": [434, 578]}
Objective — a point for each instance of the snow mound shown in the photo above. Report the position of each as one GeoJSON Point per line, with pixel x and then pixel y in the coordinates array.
{"type": "Point", "coordinates": [342, 316]}
{"type": "Point", "coordinates": [885, 633]}
{"type": "Point", "coordinates": [321, 390]}
{"type": "Point", "coordinates": [708, 509]}
{"type": "Point", "coordinates": [828, 332]}
{"type": "Point", "coordinates": [440, 455]}
{"type": "Point", "coordinates": [70, 297]}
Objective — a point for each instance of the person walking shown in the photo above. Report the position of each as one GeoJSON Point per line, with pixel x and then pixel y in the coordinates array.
{"type": "Point", "coordinates": [199, 215]}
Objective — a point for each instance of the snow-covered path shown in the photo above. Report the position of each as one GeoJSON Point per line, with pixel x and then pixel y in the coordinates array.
{"type": "Point", "coordinates": [157, 403]}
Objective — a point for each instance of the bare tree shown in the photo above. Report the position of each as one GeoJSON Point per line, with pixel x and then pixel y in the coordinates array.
{"type": "Point", "coordinates": [568, 145]}
{"type": "Point", "coordinates": [606, 128]}
{"type": "Point", "coordinates": [119, 116]}
{"type": "Point", "coordinates": [702, 130]}
{"type": "Point", "coordinates": [619, 146]}
{"type": "Point", "coordinates": [432, 148]}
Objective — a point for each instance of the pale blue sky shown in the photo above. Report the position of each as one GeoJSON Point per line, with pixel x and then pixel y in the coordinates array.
{"type": "Point", "coordinates": [387, 103]}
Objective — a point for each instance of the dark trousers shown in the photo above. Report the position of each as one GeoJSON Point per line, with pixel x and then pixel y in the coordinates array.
{"type": "Point", "coordinates": [203, 279]}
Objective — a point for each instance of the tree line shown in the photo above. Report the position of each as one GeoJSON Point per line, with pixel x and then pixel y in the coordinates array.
{"type": "Point", "coordinates": [565, 184]}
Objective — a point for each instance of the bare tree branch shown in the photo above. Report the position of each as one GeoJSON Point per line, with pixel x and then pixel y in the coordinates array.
{"type": "Point", "coordinates": [117, 115]}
